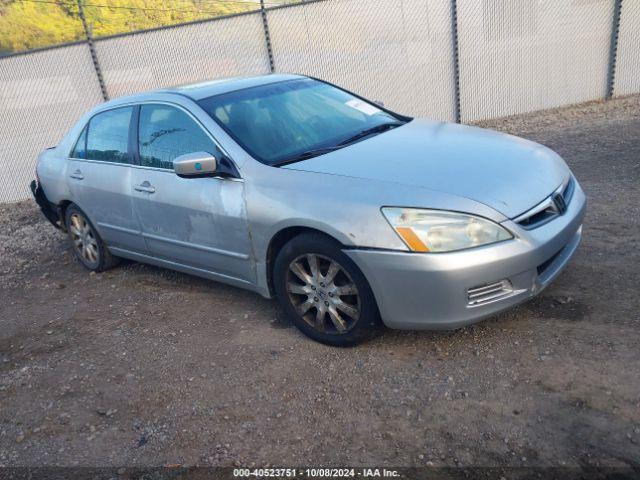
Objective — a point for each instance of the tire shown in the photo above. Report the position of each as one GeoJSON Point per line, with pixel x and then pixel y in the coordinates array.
{"type": "Point", "coordinates": [336, 305]}
{"type": "Point", "coordinates": [86, 244]}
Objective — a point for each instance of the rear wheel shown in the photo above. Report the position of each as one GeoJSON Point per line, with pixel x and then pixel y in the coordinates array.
{"type": "Point", "coordinates": [86, 244]}
{"type": "Point", "coordinates": [323, 292]}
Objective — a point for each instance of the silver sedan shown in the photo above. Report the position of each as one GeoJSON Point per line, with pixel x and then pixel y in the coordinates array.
{"type": "Point", "coordinates": [351, 215]}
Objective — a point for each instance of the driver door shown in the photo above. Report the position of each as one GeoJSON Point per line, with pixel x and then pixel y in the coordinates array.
{"type": "Point", "coordinates": [199, 223]}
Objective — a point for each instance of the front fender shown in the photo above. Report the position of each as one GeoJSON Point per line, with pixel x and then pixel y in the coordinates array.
{"type": "Point", "coordinates": [345, 208]}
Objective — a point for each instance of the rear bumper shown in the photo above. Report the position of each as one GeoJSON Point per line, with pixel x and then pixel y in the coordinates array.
{"type": "Point", "coordinates": [48, 209]}
{"type": "Point", "coordinates": [431, 291]}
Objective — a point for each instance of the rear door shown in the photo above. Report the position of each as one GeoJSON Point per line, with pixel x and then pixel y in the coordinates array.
{"type": "Point", "coordinates": [196, 222]}
{"type": "Point", "coordinates": [100, 177]}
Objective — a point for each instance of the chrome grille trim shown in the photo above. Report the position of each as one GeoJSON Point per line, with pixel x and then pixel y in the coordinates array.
{"type": "Point", "coordinates": [544, 205]}
{"type": "Point", "coordinates": [547, 206]}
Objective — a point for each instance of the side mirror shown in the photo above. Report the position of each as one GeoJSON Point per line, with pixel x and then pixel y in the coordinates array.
{"type": "Point", "coordinates": [379, 103]}
{"type": "Point", "coordinates": [197, 164]}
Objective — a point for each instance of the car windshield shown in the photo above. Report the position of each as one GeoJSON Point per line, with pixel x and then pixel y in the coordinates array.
{"type": "Point", "coordinates": [284, 122]}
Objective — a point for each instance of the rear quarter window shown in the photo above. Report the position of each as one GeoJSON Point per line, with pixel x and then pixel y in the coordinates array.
{"type": "Point", "coordinates": [80, 150]}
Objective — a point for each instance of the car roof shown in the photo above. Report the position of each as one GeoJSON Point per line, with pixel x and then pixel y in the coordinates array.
{"type": "Point", "coordinates": [198, 91]}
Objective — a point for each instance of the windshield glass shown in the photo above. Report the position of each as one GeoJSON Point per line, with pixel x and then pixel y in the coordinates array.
{"type": "Point", "coordinates": [286, 121]}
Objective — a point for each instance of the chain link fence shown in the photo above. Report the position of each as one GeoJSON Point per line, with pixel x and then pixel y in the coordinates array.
{"type": "Point", "coordinates": [519, 56]}
{"type": "Point", "coordinates": [182, 54]}
{"type": "Point", "coordinates": [451, 60]}
{"type": "Point", "coordinates": [627, 69]}
{"type": "Point", "coordinates": [42, 94]}
{"type": "Point", "coordinates": [399, 52]}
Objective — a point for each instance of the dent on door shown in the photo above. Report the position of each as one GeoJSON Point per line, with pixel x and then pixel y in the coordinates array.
{"type": "Point", "coordinates": [199, 222]}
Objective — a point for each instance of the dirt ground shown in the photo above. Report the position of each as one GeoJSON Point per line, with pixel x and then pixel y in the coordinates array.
{"type": "Point", "coordinates": [142, 366]}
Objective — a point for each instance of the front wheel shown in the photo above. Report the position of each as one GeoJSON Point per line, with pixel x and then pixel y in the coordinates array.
{"type": "Point", "coordinates": [323, 292]}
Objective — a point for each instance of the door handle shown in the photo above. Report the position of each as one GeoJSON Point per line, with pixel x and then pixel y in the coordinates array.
{"type": "Point", "coordinates": [144, 187]}
{"type": "Point", "coordinates": [77, 175]}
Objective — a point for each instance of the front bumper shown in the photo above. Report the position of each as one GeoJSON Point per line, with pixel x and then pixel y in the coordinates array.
{"type": "Point", "coordinates": [417, 291]}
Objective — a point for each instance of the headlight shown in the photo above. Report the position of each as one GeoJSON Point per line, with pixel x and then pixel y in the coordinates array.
{"type": "Point", "coordinates": [441, 231]}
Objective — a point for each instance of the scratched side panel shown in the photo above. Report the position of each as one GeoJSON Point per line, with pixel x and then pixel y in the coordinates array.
{"type": "Point", "coordinates": [200, 222]}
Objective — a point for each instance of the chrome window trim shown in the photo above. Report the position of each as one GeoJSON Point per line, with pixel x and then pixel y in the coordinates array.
{"type": "Point", "coordinates": [102, 162]}
{"type": "Point", "coordinates": [150, 102]}
{"type": "Point", "coordinates": [142, 167]}
{"type": "Point", "coordinates": [166, 170]}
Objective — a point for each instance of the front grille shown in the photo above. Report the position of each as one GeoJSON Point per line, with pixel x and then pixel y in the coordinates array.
{"type": "Point", "coordinates": [538, 219]}
{"type": "Point", "coordinates": [547, 210]}
{"type": "Point", "coordinates": [489, 292]}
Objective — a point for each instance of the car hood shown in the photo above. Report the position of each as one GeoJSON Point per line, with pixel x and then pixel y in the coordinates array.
{"type": "Point", "coordinates": [507, 173]}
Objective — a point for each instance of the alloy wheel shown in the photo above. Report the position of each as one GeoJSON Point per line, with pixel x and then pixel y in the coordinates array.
{"type": "Point", "coordinates": [323, 293]}
{"type": "Point", "coordinates": [84, 241]}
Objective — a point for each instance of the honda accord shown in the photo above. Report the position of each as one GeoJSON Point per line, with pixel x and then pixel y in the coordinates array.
{"type": "Point", "coordinates": [351, 215]}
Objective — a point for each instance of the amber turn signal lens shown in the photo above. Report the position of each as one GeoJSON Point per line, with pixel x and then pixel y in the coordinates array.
{"type": "Point", "coordinates": [411, 239]}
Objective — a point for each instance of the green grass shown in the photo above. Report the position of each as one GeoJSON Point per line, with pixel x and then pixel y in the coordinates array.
{"type": "Point", "coordinates": [25, 25]}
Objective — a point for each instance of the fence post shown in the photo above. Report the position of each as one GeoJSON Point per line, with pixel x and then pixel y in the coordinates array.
{"type": "Point", "coordinates": [613, 48]}
{"type": "Point", "coordinates": [267, 37]}
{"type": "Point", "coordinates": [92, 50]}
{"type": "Point", "coordinates": [456, 60]}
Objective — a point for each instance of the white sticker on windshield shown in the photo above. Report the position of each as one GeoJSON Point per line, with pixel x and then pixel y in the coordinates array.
{"type": "Point", "coordinates": [363, 107]}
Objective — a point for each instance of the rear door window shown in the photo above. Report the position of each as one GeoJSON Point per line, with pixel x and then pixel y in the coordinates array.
{"type": "Point", "coordinates": [108, 136]}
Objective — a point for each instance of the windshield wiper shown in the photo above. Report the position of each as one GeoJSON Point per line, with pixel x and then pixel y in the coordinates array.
{"type": "Point", "coordinates": [306, 155]}
{"type": "Point", "coordinates": [354, 138]}
{"type": "Point", "coordinates": [369, 131]}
